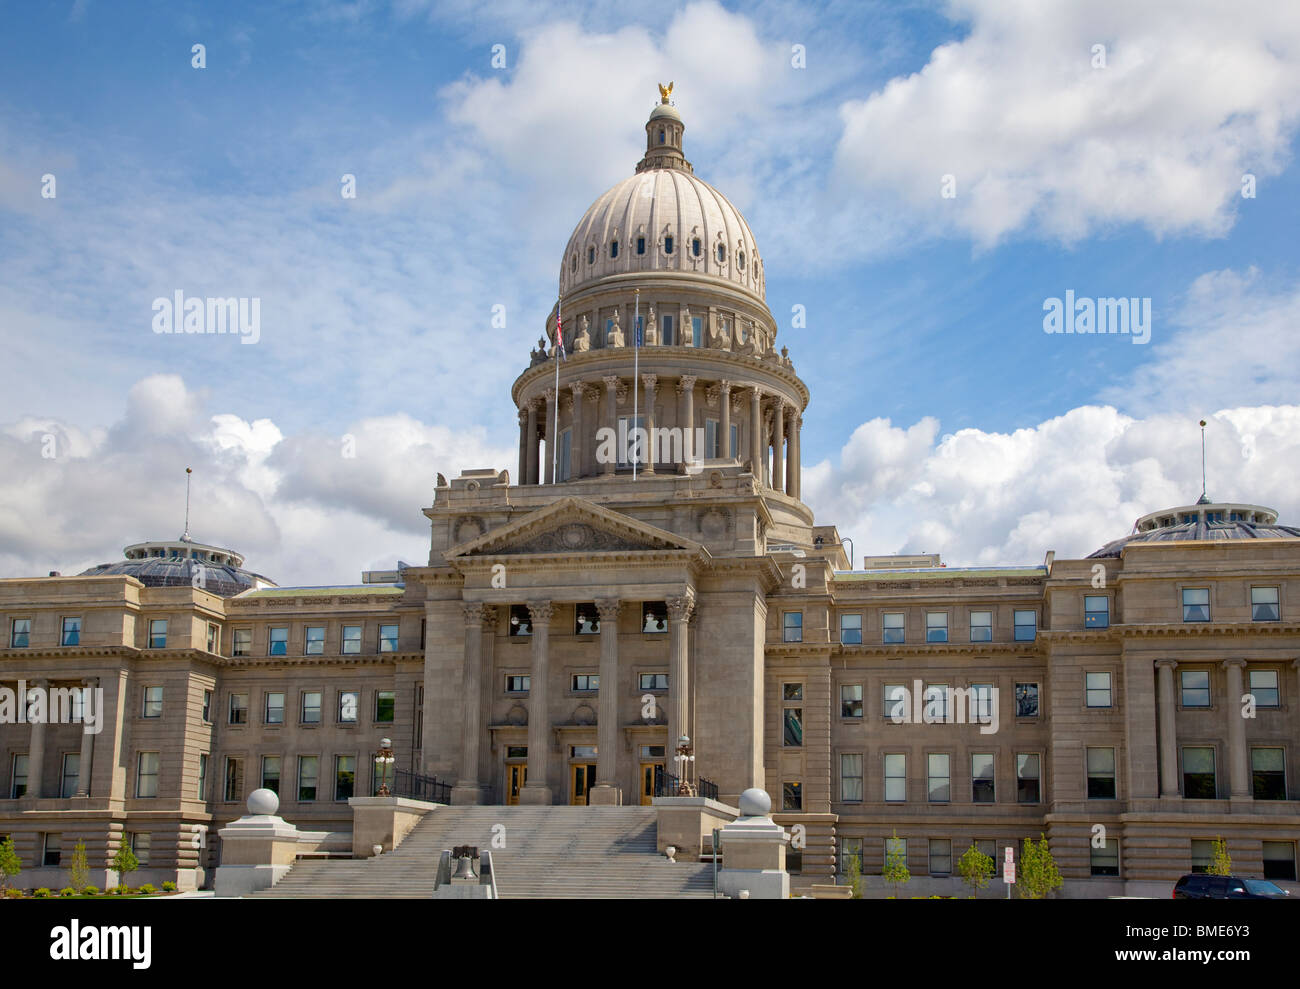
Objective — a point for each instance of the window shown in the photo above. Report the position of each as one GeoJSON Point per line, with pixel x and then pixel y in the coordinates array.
{"type": "Point", "coordinates": [1196, 604]}
{"type": "Point", "coordinates": [654, 616]}
{"type": "Point", "coordinates": [314, 640]}
{"type": "Point", "coordinates": [640, 241]}
{"type": "Point", "coordinates": [613, 249]}
{"type": "Point", "coordinates": [587, 683]}
{"type": "Point", "coordinates": [388, 638]}
{"type": "Point", "coordinates": [940, 856]}
{"type": "Point", "coordinates": [666, 330]}
{"type": "Point", "coordinates": [1202, 854]}
{"type": "Point", "coordinates": [851, 700]}
{"type": "Point", "coordinates": [345, 776]}
{"type": "Point", "coordinates": [20, 633]}
{"type": "Point", "coordinates": [892, 626]}
{"type": "Point", "coordinates": [1268, 774]}
{"type": "Point", "coordinates": [981, 774]}
{"type": "Point", "coordinates": [591, 255]}
{"type": "Point", "coordinates": [146, 774]}
{"type": "Point", "coordinates": [697, 330]}
{"type": "Point", "coordinates": [349, 704]}
{"type": "Point", "coordinates": [647, 751]}
{"type": "Point", "coordinates": [71, 632]}
{"type": "Point", "coordinates": [71, 774]}
{"type": "Point", "coordinates": [653, 681]}
{"type": "Point", "coordinates": [939, 777]}
{"type": "Point", "coordinates": [586, 619]}
{"type": "Point", "coordinates": [1026, 629]}
{"type": "Point", "coordinates": [1198, 773]}
{"type": "Point", "coordinates": [141, 845]}
{"type": "Point", "coordinates": [351, 640]}
{"type": "Point", "coordinates": [207, 707]}
{"type": "Point", "coordinates": [273, 710]}
{"type": "Point", "coordinates": [234, 778]}
{"type": "Point", "coordinates": [239, 709]}
{"type": "Point", "coordinates": [722, 253]}
{"type": "Point", "coordinates": [792, 627]}
{"type": "Point", "coordinates": [1104, 861]}
{"type": "Point", "coordinates": [981, 626]}
{"type": "Point", "coordinates": [851, 776]}
{"type": "Point", "coordinates": [980, 703]}
{"type": "Point", "coordinates": [385, 706]}
{"type": "Point", "coordinates": [895, 702]}
{"type": "Point", "coordinates": [1196, 688]}
{"type": "Point", "coordinates": [851, 630]}
{"type": "Point", "coordinates": [1097, 689]}
{"type": "Point", "coordinates": [1279, 860]}
{"type": "Point", "coordinates": [632, 440]}
{"type": "Point", "coordinates": [1264, 604]}
{"type": "Point", "coordinates": [1026, 700]}
{"type": "Point", "coordinates": [1101, 774]}
{"type": "Point", "coordinates": [202, 792]}
{"type": "Point", "coordinates": [740, 260]}
{"type": "Point", "coordinates": [51, 849]}
{"type": "Point", "coordinates": [850, 848]}
{"type": "Point", "coordinates": [791, 795]}
{"type": "Point", "coordinates": [521, 751]}
{"type": "Point", "coordinates": [896, 777]}
{"type": "Point", "coordinates": [1263, 685]}
{"type": "Point", "coordinates": [521, 621]}
{"type": "Point", "coordinates": [793, 716]}
{"type": "Point", "coordinates": [896, 847]}
{"type": "Point", "coordinates": [1027, 778]}
{"type": "Point", "coordinates": [214, 638]}
{"type": "Point", "coordinates": [310, 707]}
{"type": "Point", "coordinates": [158, 633]}
{"type": "Point", "coordinates": [18, 777]}
{"type": "Point", "coordinates": [583, 751]}
{"type": "Point", "coordinates": [936, 703]}
{"type": "Point", "coordinates": [271, 773]}
{"type": "Point", "coordinates": [936, 626]}
{"type": "Point", "coordinates": [243, 642]}
{"type": "Point", "coordinates": [517, 683]}
{"type": "Point", "coordinates": [1096, 611]}
{"type": "Point", "coordinates": [668, 244]}
{"type": "Point", "coordinates": [308, 771]}
{"type": "Point", "coordinates": [153, 697]}
{"type": "Point", "coordinates": [279, 641]}
{"type": "Point", "coordinates": [697, 248]}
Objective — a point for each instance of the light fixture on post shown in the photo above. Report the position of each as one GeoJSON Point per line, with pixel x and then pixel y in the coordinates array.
{"type": "Point", "coordinates": [685, 759]}
{"type": "Point", "coordinates": [383, 763]}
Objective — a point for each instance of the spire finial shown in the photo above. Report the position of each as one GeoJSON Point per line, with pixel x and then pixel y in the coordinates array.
{"type": "Point", "coordinates": [185, 536]}
{"type": "Point", "coordinates": [1204, 497]}
{"type": "Point", "coordinates": [664, 93]}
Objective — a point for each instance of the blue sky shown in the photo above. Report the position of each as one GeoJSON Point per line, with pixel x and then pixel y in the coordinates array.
{"type": "Point", "coordinates": [943, 418]}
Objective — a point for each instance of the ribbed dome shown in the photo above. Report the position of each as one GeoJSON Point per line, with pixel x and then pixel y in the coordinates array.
{"type": "Point", "coordinates": [1206, 520]}
{"type": "Point", "coordinates": [174, 563]}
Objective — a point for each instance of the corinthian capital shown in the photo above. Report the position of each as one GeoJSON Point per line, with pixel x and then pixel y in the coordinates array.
{"type": "Point", "coordinates": [680, 607]}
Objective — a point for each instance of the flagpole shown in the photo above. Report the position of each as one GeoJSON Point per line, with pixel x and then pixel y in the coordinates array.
{"type": "Point", "coordinates": [555, 430]}
{"type": "Point", "coordinates": [636, 377]}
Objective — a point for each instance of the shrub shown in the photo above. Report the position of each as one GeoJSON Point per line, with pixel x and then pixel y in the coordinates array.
{"type": "Point", "coordinates": [148, 888]}
{"type": "Point", "coordinates": [67, 891]}
{"type": "Point", "coordinates": [895, 871]}
{"type": "Point", "coordinates": [10, 863]}
{"type": "Point", "coordinates": [79, 868]}
{"type": "Point", "coordinates": [1038, 873]}
{"type": "Point", "coordinates": [976, 869]}
{"type": "Point", "coordinates": [42, 891]}
{"type": "Point", "coordinates": [124, 862]}
{"type": "Point", "coordinates": [13, 894]}
{"type": "Point", "coordinates": [91, 890]}
{"type": "Point", "coordinates": [1221, 865]}
{"type": "Point", "coordinates": [169, 886]}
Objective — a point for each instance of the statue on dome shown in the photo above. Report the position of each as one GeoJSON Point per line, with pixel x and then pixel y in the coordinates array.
{"type": "Point", "coordinates": [614, 338]}
{"type": "Point", "coordinates": [583, 340]}
{"type": "Point", "coordinates": [751, 345]}
{"type": "Point", "coordinates": [651, 335]}
{"type": "Point", "coordinates": [721, 339]}
{"type": "Point", "coordinates": [665, 93]}
{"type": "Point", "coordinates": [785, 358]}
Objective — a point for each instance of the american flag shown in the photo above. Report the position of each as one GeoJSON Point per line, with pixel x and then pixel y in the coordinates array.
{"type": "Point", "coordinates": [559, 336]}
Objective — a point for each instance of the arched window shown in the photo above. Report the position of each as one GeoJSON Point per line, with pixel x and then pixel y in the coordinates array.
{"type": "Point", "coordinates": [668, 244]}
{"type": "Point", "coordinates": [591, 255]}
{"type": "Point", "coordinates": [696, 248]}
{"type": "Point", "coordinates": [640, 245]}
{"type": "Point", "coordinates": [613, 248]}
{"type": "Point", "coordinates": [740, 260]}
{"type": "Point", "coordinates": [573, 263]}
{"type": "Point", "coordinates": [722, 253]}
{"type": "Point", "coordinates": [661, 135]}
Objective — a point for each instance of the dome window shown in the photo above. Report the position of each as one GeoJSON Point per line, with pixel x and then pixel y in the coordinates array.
{"type": "Point", "coordinates": [740, 260]}
{"type": "Point", "coordinates": [661, 135]}
{"type": "Point", "coordinates": [591, 255]}
{"type": "Point", "coordinates": [573, 264]}
{"type": "Point", "coordinates": [613, 248]}
{"type": "Point", "coordinates": [668, 245]}
{"type": "Point", "coordinates": [722, 253]}
{"type": "Point", "coordinates": [696, 247]}
{"type": "Point", "coordinates": [640, 245]}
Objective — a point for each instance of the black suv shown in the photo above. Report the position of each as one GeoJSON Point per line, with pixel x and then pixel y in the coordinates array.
{"type": "Point", "coordinates": [1199, 886]}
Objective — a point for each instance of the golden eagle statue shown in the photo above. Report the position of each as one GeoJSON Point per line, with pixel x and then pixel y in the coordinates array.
{"type": "Point", "coordinates": [664, 93]}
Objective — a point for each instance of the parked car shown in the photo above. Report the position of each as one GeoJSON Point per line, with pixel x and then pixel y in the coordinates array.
{"type": "Point", "coordinates": [1199, 886]}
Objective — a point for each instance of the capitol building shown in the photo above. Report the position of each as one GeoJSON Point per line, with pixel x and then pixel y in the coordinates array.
{"type": "Point", "coordinates": [585, 608]}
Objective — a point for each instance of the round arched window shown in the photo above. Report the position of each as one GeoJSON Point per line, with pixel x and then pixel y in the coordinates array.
{"type": "Point", "coordinates": [613, 248]}
{"type": "Point", "coordinates": [591, 255]}
{"type": "Point", "coordinates": [740, 260]}
{"type": "Point", "coordinates": [668, 244]}
{"type": "Point", "coordinates": [573, 263]}
{"type": "Point", "coordinates": [722, 253]}
{"type": "Point", "coordinates": [696, 248]}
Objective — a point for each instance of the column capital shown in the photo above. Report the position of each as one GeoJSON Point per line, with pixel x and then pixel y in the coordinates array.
{"type": "Point", "coordinates": [523, 417]}
{"type": "Point", "coordinates": [609, 609]}
{"type": "Point", "coordinates": [541, 613]}
{"type": "Point", "coordinates": [550, 395]}
{"type": "Point", "coordinates": [535, 403]}
{"type": "Point", "coordinates": [651, 382]}
{"type": "Point", "coordinates": [474, 611]}
{"type": "Point", "coordinates": [1166, 664]}
{"type": "Point", "coordinates": [681, 606]}
{"type": "Point", "coordinates": [685, 383]}
{"type": "Point", "coordinates": [579, 389]}
{"type": "Point", "coordinates": [491, 617]}
{"type": "Point", "coordinates": [1230, 663]}
{"type": "Point", "coordinates": [90, 681]}
{"type": "Point", "coordinates": [611, 381]}
{"type": "Point", "coordinates": [725, 385]}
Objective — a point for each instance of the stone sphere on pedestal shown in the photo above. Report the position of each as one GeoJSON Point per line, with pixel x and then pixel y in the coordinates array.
{"type": "Point", "coordinates": [263, 802]}
{"type": "Point", "coordinates": [755, 803]}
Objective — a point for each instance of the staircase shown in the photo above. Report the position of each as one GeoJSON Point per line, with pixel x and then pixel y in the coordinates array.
{"type": "Point", "coordinates": [550, 852]}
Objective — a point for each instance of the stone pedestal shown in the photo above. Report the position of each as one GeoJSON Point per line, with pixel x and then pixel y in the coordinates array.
{"type": "Point", "coordinates": [534, 795]}
{"type": "Point", "coordinates": [462, 794]}
{"type": "Point", "coordinates": [385, 821]}
{"type": "Point", "coordinates": [603, 795]}
{"type": "Point", "coordinates": [259, 848]}
{"type": "Point", "coordinates": [753, 852]}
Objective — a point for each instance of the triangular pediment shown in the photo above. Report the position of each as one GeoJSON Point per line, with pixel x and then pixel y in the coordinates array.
{"type": "Point", "coordinates": [572, 525]}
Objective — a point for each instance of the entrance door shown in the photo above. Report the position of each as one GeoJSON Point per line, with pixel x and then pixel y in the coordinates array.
{"type": "Point", "coordinates": [649, 770]}
{"type": "Point", "coordinates": [582, 778]}
{"type": "Point", "coordinates": [516, 777]}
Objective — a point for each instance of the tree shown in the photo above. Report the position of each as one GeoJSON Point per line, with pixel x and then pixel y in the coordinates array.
{"type": "Point", "coordinates": [1221, 864]}
{"type": "Point", "coordinates": [124, 861]}
{"type": "Point", "coordinates": [895, 872]}
{"type": "Point", "coordinates": [976, 869]}
{"type": "Point", "coordinates": [10, 863]}
{"type": "Point", "coordinates": [853, 874]}
{"type": "Point", "coordinates": [1038, 872]}
{"type": "Point", "coordinates": [79, 868]}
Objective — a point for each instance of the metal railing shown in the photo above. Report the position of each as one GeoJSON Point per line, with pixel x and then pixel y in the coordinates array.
{"type": "Point", "coordinates": [669, 785]}
{"type": "Point", "coordinates": [708, 788]}
{"type": "Point", "coordinates": [413, 786]}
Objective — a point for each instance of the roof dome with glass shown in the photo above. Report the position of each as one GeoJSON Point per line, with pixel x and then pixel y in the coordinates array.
{"type": "Point", "coordinates": [183, 562]}
{"type": "Point", "coordinates": [1206, 520]}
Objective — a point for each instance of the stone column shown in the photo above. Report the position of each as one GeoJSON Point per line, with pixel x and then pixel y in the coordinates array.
{"type": "Point", "coordinates": [486, 769]}
{"type": "Point", "coordinates": [1168, 736]}
{"type": "Point", "coordinates": [531, 463]}
{"type": "Point", "coordinates": [724, 425]}
{"type": "Point", "coordinates": [778, 444]}
{"type": "Point", "coordinates": [576, 445]}
{"type": "Point", "coordinates": [611, 417]}
{"type": "Point", "coordinates": [793, 480]}
{"type": "Point", "coordinates": [537, 790]}
{"type": "Point", "coordinates": [756, 432]}
{"type": "Point", "coordinates": [1238, 755]}
{"type": "Point", "coordinates": [686, 388]}
{"type": "Point", "coordinates": [36, 749]}
{"type": "Point", "coordinates": [467, 789]}
{"type": "Point", "coordinates": [87, 745]}
{"type": "Point", "coordinates": [651, 382]}
{"type": "Point", "coordinates": [679, 615]}
{"type": "Point", "coordinates": [552, 433]}
{"type": "Point", "coordinates": [607, 790]}
{"type": "Point", "coordinates": [522, 476]}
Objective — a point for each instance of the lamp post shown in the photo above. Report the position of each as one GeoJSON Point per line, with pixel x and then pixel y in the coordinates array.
{"type": "Point", "coordinates": [685, 759]}
{"type": "Point", "coordinates": [383, 762]}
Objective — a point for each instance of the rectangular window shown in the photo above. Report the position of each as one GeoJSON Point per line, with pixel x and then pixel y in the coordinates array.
{"type": "Point", "coordinates": [980, 703]}
{"type": "Point", "coordinates": [936, 626]}
{"type": "Point", "coordinates": [896, 847]}
{"type": "Point", "coordinates": [632, 440]}
{"type": "Point", "coordinates": [1096, 611]}
{"type": "Point", "coordinates": [654, 616]}
{"type": "Point", "coordinates": [939, 777]}
{"type": "Point", "coordinates": [586, 619]}
{"type": "Point", "coordinates": [71, 774]}
{"type": "Point", "coordinates": [1198, 773]}
{"type": "Point", "coordinates": [1268, 773]}
{"type": "Point", "coordinates": [1196, 687]}
{"type": "Point", "coordinates": [388, 638]}
{"type": "Point", "coordinates": [314, 640]}
{"type": "Point", "coordinates": [521, 751]}
{"type": "Point", "coordinates": [583, 751]}
{"type": "Point", "coordinates": [851, 630]}
{"type": "Point", "coordinates": [981, 774]}
{"type": "Point", "coordinates": [141, 846]}
{"type": "Point", "coordinates": [146, 774]}
{"type": "Point", "coordinates": [20, 633]}
{"type": "Point", "coordinates": [896, 777]}
{"type": "Point", "coordinates": [892, 627]}
{"type": "Point", "coordinates": [697, 331]}
{"type": "Point", "coordinates": [18, 777]}
{"type": "Point", "coordinates": [385, 706]}
{"type": "Point", "coordinates": [1026, 626]}
{"type": "Point", "coordinates": [940, 856]}
{"type": "Point", "coordinates": [271, 773]}
{"type": "Point", "coordinates": [851, 776]}
{"type": "Point", "coordinates": [52, 849]}
{"type": "Point", "coordinates": [207, 707]}
{"type": "Point", "coordinates": [214, 638]}
{"type": "Point", "coordinates": [202, 790]}
{"type": "Point", "coordinates": [517, 683]}
{"type": "Point", "coordinates": [792, 627]}
{"type": "Point", "coordinates": [521, 621]}
{"type": "Point", "coordinates": [710, 439]}
{"type": "Point", "coordinates": [158, 633]}
{"type": "Point", "coordinates": [653, 681]}
{"type": "Point", "coordinates": [1279, 860]}
{"type": "Point", "coordinates": [311, 707]}
{"type": "Point", "coordinates": [586, 683]}
{"type": "Point", "coordinates": [1101, 774]}
{"type": "Point", "coordinates": [1097, 689]}
{"type": "Point", "coordinates": [153, 697]}
{"type": "Point", "coordinates": [351, 640]}
{"type": "Point", "coordinates": [1264, 604]}
{"type": "Point", "coordinates": [71, 632]}
{"type": "Point", "coordinates": [850, 848]}
{"type": "Point", "coordinates": [1028, 777]}
{"type": "Point", "coordinates": [345, 776]}
{"type": "Point", "coordinates": [273, 710]}
{"type": "Point", "coordinates": [1196, 604]}
{"type": "Point", "coordinates": [239, 709]}
{"type": "Point", "coordinates": [791, 795]}
{"type": "Point", "coordinates": [1202, 854]}
{"type": "Point", "coordinates": [308, 773]}
{"type": "Point", "coordinates": [279, 641]}
{"type": "Point", "coordinates": [936, 703]}
{"type": "Point", "coordinates": [1026, 700]}
{"type": "Point", "coordinates": [895, 702]}
{"type": "Point", "coordinates": [666, 330]}
{"type": "Point", "coordinates": [234, 786]}
{"type": "Point", "coordinates": [981, 626]}
{"type": "Point", "coordinates": [1104, 861]}
{"type": "Point", "coordinates": [1263, 685]}
{"type": "Point", "coordinates": [793, 720]}
{"type": "Point", "coordinates": [349, 704]}
{"type": "Point", "coordinates": [647, 751]}
{"type": "Point", "coordinates": [243, 645]}
{"type": "Point", "coordinates": [851, 700]}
